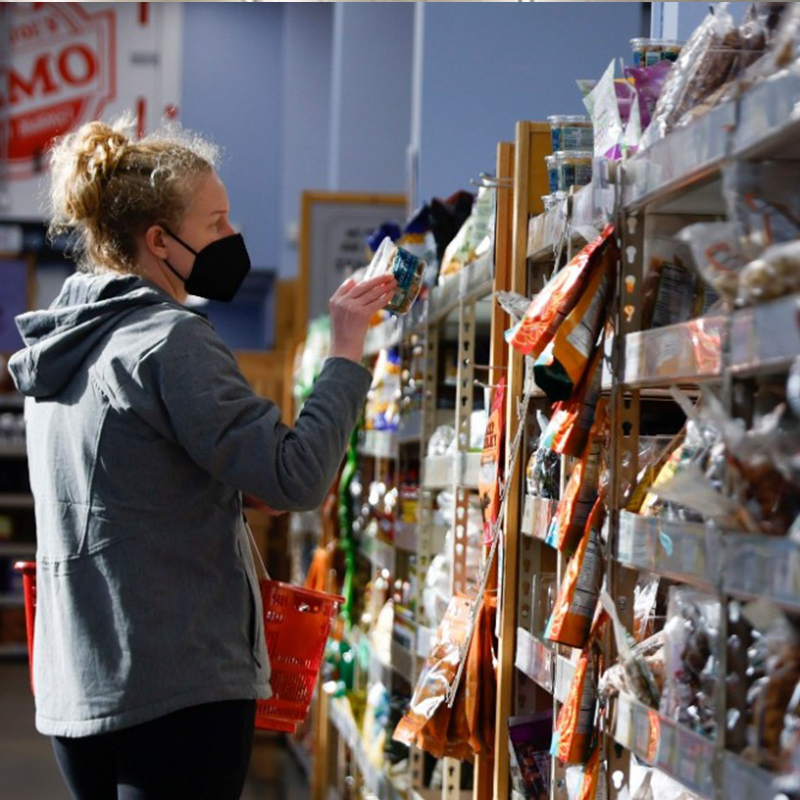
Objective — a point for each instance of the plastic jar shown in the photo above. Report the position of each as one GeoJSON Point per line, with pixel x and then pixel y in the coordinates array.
{"type": "Point", "coordinates": [639, 47]}
{"type": "Point", "coordinates": [577, 134]}
{"type": "Point", "coordinates": [556, 126]}
{"type": "Point", "coordinates": [672, 49]}
{"type": "Point", "coordinates": [552, 173]}
{"type": "Point", "coordinates": [575, 168]}
{"type": "Point", "coordinates": [647, 52]}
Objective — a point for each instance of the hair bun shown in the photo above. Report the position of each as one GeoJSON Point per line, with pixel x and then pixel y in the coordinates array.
{"type": "Point", "coordinates": [82, 162]}
{"type": "Point", "coordinates": [100, 148]}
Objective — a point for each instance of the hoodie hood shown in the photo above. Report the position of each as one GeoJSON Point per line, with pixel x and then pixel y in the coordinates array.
{"type": "Point", "coordinates": [58, 339]}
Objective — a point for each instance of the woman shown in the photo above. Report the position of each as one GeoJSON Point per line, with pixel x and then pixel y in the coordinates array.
{"type": "Point", "coordinates": [142, 435]}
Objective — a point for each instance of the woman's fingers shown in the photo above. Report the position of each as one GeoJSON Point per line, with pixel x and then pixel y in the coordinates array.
{"type": "Point", "coordinates": [371, 296]}
{"type": "Point", "coordinates": [373, 283]}
{"type": "Point", "coordinates": [345, 288]}
{"type": "Point", "coordinates": [379, 303]}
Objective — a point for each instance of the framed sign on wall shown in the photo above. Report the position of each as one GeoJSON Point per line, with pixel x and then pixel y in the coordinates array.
{"type": "Point", "coordinates": [333, 231]}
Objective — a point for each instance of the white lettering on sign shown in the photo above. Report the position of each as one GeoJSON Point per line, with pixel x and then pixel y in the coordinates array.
{"type": "Point", "coordinates": [62, 73]}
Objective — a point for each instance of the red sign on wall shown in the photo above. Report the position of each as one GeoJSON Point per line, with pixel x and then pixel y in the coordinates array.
{"type": "Point", "coordinates": [63, 74]}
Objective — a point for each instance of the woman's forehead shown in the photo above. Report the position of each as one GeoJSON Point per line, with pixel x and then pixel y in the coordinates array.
{"type": "Point", "coordinates": [209, 196]}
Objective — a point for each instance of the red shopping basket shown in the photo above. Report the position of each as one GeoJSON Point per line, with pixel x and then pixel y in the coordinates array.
{"type": "Point", "coordinates": [296, 625]}
{"type": "Point", "coordinates": [28, 570]}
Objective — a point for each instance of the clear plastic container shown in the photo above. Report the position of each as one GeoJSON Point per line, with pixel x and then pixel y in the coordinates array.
{"type": "Point", "coordinates": [647, 52]}
{"type": "Point", "coordinates": [672, 49]}
{"type": "Point", "coordinates": [575, 168]}
{"type": "Point", "coordinates": [552, 173]}
{"type": "Point", "coordinates": [571, 133]}
{"type": "Point", "coordinates": [577, 134]}
{"type": "Point", "coordinates": [556, 127]}
{"type": "Point", "coordinates": [639, 48]}
{"type": "Point", "coordinates": [407, 269]}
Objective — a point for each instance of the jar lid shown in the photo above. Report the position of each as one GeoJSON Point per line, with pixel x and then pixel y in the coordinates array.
{"type": "Point", "coordinates": [578, 119]}
{"type": "Point", "coordinates": [556, 119]}
{"type": "Point", "coordinates": [549, 158]}
{"type": "Point", "coordinates": [639, 42]}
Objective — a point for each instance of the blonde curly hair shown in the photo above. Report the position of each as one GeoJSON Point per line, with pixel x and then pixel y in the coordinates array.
{"type": "Point", "coordinates": [107, 189]}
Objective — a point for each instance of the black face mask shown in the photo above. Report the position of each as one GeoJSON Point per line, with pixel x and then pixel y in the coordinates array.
{"type": "Point", "coordinates": [219, 268]}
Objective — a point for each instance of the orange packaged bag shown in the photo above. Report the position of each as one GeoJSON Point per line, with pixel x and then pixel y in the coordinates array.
{"type": "Point", "coordinates": [427, 719]}
{"type": "Point", "coordinates": [590, 783]}
{"type": "Point", "coordinates": [554, 303]}
{"type": "Point", "coordinates": [569, 521]}
{"type": "Point", "coordinates": [575, 606]}
{"type": "Point", "coordinates": [574, 733]}
{"type": "Point", "coordinates": [572, 420]}
{"type": "Point", "coordinates": [562, 365]}
{"type": "Point", "coordinates": [481, 679]}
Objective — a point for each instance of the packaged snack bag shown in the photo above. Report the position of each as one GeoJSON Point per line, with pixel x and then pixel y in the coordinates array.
{"type": "Point", "coordinates": [568, 431]}
{"type": "Point", "coordinates": [576, 604]}
{"type": "Point", "coordinates": [481, 679]}
{"type": "Point", "coordinates": [563, 364]}
{"type": "Point", "coordinates": [574, 508]}
{"type": "Point", "coordinates": [489, 476]}
{"type": "Point", "coordinates": [554, 303]}
{"type": "Point", "coordinates": [426, 722]}
{"type": "Point", "coordinates": [574, 732]}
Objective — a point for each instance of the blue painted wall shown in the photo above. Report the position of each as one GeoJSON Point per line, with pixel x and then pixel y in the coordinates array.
{"type": "Point", "coordinates": [306, 114]}
{"type": "Point", "coordinates": [232, 92]}
{"type": "Point", "coordinates": [486, 66]}
{"type": "Point", "coordinates": [371, 100]}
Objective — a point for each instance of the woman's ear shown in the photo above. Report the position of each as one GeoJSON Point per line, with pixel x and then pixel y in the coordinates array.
{"type": "Point", "coordinates": [155, 241]}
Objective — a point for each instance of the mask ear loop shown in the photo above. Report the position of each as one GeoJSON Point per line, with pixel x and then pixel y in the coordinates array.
{"type": "Point", "coordinates": [183, 244]}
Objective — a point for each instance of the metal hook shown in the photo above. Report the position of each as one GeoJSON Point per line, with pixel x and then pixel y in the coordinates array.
{"type": "Point", "coordinates": [476, 382]}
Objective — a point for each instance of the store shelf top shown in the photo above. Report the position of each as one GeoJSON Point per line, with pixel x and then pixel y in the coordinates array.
{"type": "Point", "coordinates": [455, 469]}
{"type": "Point", "coordinates": [472, 283]}
{"type": "Point", "coordinates": [676, 173]}
{"type": "Point", "coordinates": [764, 338]}
{"type": "Point", "coordinates": [740, 565]}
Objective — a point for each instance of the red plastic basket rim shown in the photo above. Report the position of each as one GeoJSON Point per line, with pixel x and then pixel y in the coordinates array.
{"type": "Point", "coordinates": [309, 593]}
{"type": "Point", "coordinates": [25, 567]}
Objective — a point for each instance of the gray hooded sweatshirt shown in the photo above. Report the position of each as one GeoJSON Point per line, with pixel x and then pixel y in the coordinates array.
{"type": "Point", "coordinates": [142, 434]}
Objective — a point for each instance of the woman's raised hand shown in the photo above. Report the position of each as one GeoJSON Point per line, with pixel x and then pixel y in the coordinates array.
{"type": "Point", "coordinates": [352, 308]}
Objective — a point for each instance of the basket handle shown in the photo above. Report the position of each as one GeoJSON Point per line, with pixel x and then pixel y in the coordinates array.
{"type": "Point", "coordinates": [254, 547]}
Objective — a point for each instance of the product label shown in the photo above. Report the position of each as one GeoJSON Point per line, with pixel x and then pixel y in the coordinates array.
{"type": "Point", "coordinates": [555, 138]}
{"type": "Point", "coordinates": [552, 179]}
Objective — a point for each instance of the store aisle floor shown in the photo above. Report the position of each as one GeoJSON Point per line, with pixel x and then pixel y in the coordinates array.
{"type": "Point", "coordinates": [28, 770]}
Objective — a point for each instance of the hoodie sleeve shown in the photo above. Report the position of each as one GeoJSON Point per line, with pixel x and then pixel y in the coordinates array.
{"type": "Point", "coordinates": [236, 435]}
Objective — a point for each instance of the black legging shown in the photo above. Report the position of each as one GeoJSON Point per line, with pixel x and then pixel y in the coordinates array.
{"type": "Point", "coordinates": [198, 753]}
